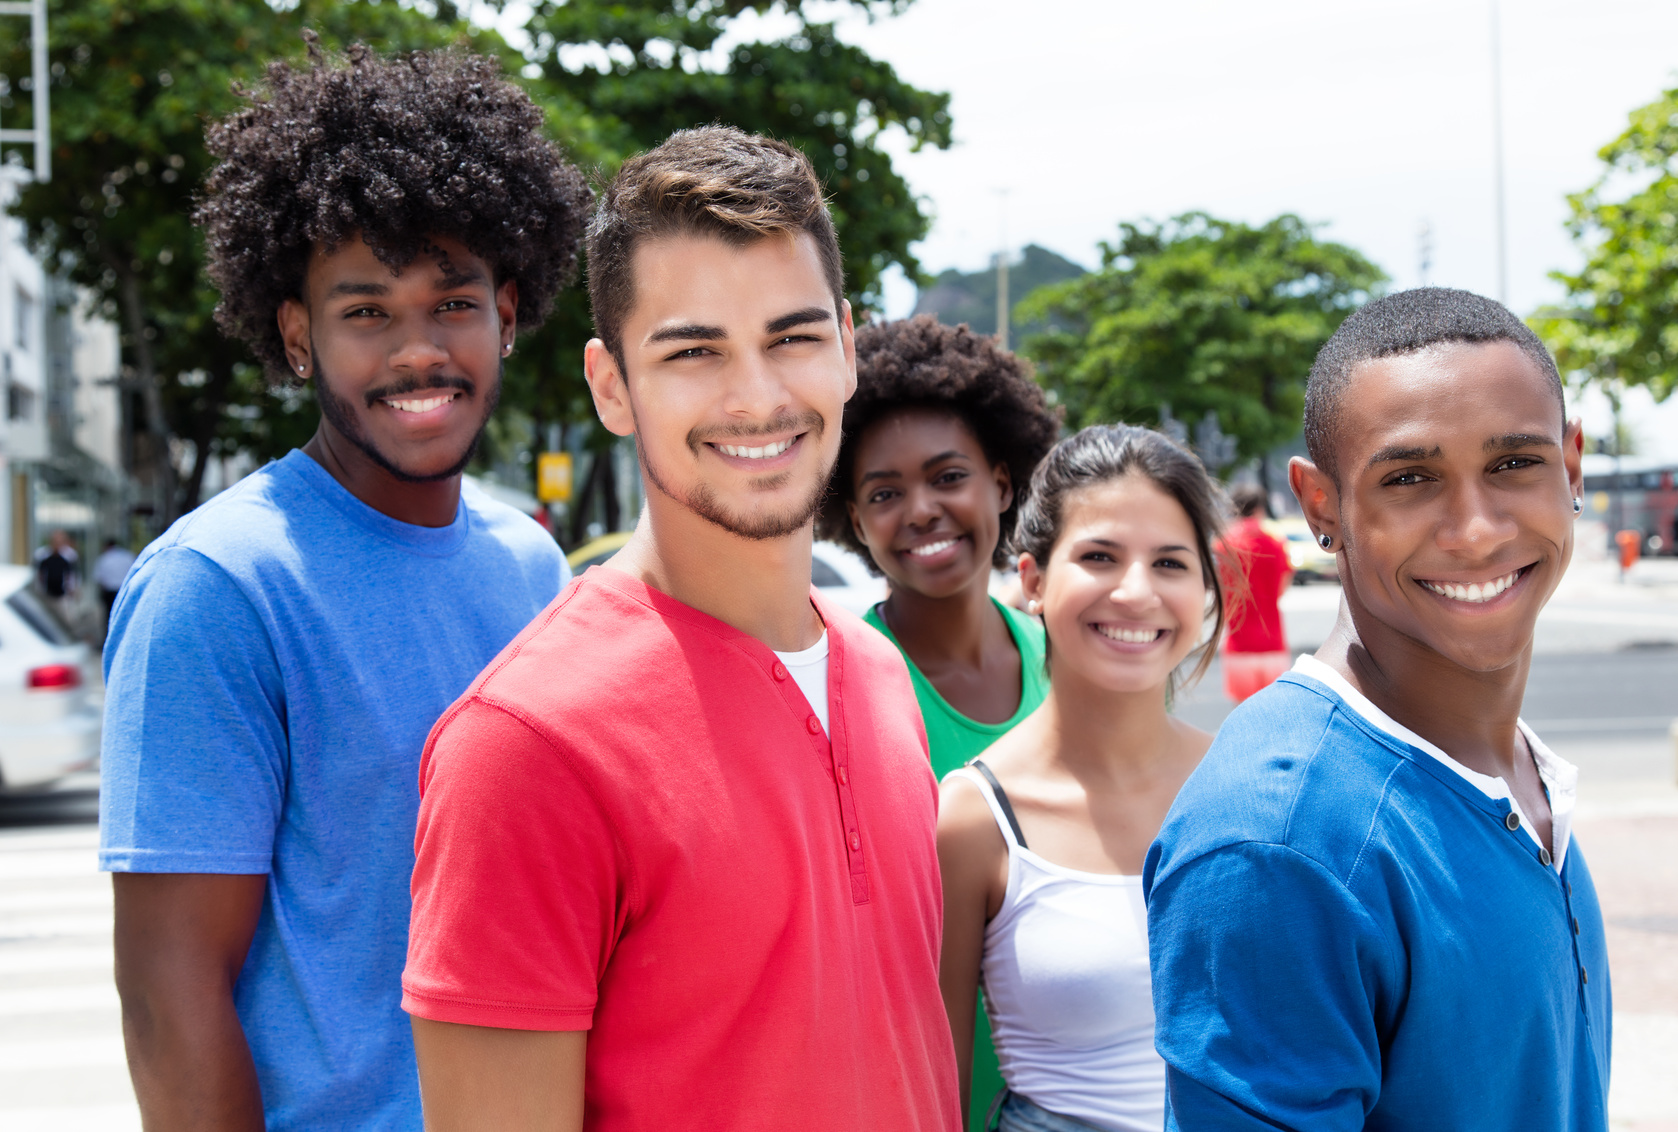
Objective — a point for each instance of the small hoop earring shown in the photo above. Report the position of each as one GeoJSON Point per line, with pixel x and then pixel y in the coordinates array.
{"type": "Point", "coordinates": [1578, 504]}
{"type": "Point", "coordinates": [1325, 541]}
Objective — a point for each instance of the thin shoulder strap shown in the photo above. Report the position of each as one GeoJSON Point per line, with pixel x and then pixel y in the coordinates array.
{"type": "Point", "coordinates": [1002, 802]}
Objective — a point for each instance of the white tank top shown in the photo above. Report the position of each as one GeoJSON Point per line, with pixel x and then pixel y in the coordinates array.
{"type": "Point", "coordinates": [1066, 982]}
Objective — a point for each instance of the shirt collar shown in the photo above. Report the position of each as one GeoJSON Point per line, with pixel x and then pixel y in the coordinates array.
{"type": "Point", "coordinates": [1560, 777]}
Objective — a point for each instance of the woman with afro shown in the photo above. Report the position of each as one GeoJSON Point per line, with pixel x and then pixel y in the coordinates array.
{"type": "Point", "coordinates": [940, 441]}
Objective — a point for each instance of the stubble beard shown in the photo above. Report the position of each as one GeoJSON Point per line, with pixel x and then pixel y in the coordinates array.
{"type": "Point", "coordinates": [702, 499]}
{"type": "Point", "coordinates": [341, 416]}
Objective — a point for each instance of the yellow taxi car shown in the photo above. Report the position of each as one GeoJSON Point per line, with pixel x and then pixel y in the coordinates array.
{"type": "Point", "coordinates": [1310, 562]}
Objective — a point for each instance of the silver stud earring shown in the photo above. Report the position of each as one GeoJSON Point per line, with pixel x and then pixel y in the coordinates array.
{"type": "Point", "coordinates": [507, 349]}
{"type": "Point", "coordinates": [1325, 541]}
{"type": "Point", "coordinates": [1578, 504]}
{"type": "Point", "coordinates": [300, 367]}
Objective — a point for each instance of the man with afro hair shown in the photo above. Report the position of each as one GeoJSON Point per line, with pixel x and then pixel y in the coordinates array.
{"type": "Point", "coordinates": [380, 230]}
{"type": "Point", "coordinates": [940, 441]}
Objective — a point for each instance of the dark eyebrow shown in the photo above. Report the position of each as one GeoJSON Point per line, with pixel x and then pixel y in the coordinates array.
{"type": "Point", "coordinates": [452, 278]}
{"type": "Point", "coordinates": [1516, 440]}
{"type": "Point", "coordinates": [881, 475]}
{"type": "Point", "coordinates": [688, 332]}
{"type": "Point", "coordinates": [1399, 452]}
{"type": "Point", "coordinates": [1157, 549]}
{"type": "Point", "coordinates": [952, 454]}
{"type": "Point", "coordinates": [799, 318]}
{"type": "Point", "coordinates": [351, 288]}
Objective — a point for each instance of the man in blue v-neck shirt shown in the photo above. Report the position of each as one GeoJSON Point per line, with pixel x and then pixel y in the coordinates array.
{"type": "Point", "coordinates": [1366, 908]}
{"type": "Point", "coordinates": [276, 658]}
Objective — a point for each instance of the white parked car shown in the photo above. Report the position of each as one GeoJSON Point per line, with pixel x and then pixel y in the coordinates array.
{"type": "Point", "coordinates": [48, 726]}
{"type": "Point", "coordinates": [844, 579]}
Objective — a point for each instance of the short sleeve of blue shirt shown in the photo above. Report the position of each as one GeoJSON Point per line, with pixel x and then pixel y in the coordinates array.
{"type": "Point", "coordinates": [194, 756]}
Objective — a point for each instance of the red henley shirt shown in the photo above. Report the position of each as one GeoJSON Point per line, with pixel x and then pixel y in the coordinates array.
{"type": "Point", "coordinates": [632, 823]}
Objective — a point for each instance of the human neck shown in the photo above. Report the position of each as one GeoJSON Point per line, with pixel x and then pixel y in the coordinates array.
{"type": "Point", "coordinates": [944, 630]}
{"type": "Point", "coordinates": [429, 504]}
{"type": "Point", "coordinates": [1092, 730]}
{"type": "Point", "coordinates": [1468, 714]}
{"type": "Point", "coordinates": [759, 586]}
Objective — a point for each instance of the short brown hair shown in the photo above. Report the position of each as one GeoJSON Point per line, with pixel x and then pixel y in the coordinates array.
{"type": "Point", "coordinates": [711, 181]}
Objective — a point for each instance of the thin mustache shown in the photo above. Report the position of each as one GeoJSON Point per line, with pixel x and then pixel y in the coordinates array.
{"type": "Point", "coordinates": [400, 388]}
{"type": "Point", "coordinates": [803, 422]}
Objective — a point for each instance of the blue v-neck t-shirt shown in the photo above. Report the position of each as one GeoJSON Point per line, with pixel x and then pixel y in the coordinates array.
{"type": "Point", "coordinates": [1347, 933]}
{"type": "Point", "coordinates": [275, 662]}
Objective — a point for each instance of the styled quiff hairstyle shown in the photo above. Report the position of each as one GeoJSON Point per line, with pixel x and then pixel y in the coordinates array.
{"type": "Point", "coordinates": [1102, 453]}
{"type": "Point", "coordinates": [1404, 323]}
{"type": "Point", "coordinates": [920, 363]}
{"type": "Point", "coordinates": [712, 181]}
{"type": "Point", "coordinates": [398, 153]}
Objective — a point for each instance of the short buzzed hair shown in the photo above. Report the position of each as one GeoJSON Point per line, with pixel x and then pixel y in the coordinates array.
{"type": "Point", "coordinates": [1402, 324]}
{"type": "Point", "coordinates": [713, 181]}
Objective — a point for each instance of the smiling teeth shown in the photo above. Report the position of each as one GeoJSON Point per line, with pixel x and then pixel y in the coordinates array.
{"type": "Point", "coordinates": [1473, 593]}
{"type": "Point", "coordinates": [424, 406]}
{"type": "Point", "coordinates": [754, 453]}
{"type": "Point", "coordinates": [932, 548]}
{"type": "Point", "coordinates": [1130, 636]}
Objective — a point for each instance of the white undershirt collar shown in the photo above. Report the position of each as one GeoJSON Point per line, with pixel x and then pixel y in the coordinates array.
{"type": "Point", "coordinates": [1560, 777]}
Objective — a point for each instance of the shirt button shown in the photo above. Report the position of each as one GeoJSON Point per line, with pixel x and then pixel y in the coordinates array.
{"type": "Point", "coordinates": [1513, 821]}
{"type": "Point", "coordinates": [780, 671]}
{"type": "Point", "coordinates": [1576, 925]}
{"type": "Point", "coordinates": [844, 776]}
{"type": "Point", "coordinates": [856, 842]}
{"type": "Point", "coordinates": [1584, 977]}
{"type": "Point", "coordinates": [1544, 855]}
{"type": "Point", "coordinates": [814, 724]}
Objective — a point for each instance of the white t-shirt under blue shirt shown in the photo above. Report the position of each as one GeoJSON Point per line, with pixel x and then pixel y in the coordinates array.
{"type": "Point", "coordinates": [275, 662]}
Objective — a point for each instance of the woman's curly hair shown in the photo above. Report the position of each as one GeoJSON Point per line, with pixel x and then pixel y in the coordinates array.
{"type": "Point", "coordinates": [920, 363]}
{"type": "Point", "coordinates": [397, 152]}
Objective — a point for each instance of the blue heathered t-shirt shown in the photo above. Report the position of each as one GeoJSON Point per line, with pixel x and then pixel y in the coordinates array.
{"type": "Point", "coordinates": [274, 664]}
{"type": "Point", "coordinates": [1346, 934]}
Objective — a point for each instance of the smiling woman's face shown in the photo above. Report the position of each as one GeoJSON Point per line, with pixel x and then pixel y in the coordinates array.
{"type": "Point", "coordinates": [1123, 594]}
{"type": "Point", "coordinates": [1456, 480]}
{"type": "Point", "coordinates": [926, 502]}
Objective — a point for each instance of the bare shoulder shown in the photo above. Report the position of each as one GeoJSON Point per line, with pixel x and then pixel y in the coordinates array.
{"type": "Point", "coordinates": [966, 829]}
{"type": "Point", "coordinates": [1193, 742]}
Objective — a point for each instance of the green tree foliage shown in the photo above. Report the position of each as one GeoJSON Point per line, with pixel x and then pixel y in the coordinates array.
{"type": "Point", "coordinates": [1619, 325]}
{"type": "Point", "coordinates": [1201, 315]}
{"type": "Point", "coordinates": [133, 82]}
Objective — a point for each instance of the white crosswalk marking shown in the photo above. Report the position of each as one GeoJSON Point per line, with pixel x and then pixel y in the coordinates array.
{"type": "Point", "coordinates": [61, 1058]}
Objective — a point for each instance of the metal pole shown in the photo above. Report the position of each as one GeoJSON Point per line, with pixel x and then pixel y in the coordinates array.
{"type": "Point", "coordinates": [1497, 158]}
{"type": "Point", "coordinates": [43, 80]}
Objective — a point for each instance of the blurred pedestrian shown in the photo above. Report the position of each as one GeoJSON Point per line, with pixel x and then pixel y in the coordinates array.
{"type": "Point", "coordinates": [1367, 909]}
{"type": "Point", "coordinates": [381, 230]}
{"type": "Point", "coordinates": [941, 438]}
{"type": "Point", "coordinates": [1042, 838]}
{"type": "Point", "coordinates": [1256, 574]}
{"type": "Point", "coordinates": [110, 570]}
{"type": "Point", "coordinates": [57, 569]}
{"type": "Point", "coordinates": [697, 885]}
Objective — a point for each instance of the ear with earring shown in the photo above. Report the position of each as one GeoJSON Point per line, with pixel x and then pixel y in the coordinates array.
{"type": "Point", "coordinates": [506, 349]}
{"type": "Point", "coordinates": [1578, 504]}
{"type": "Point", "coordinates": [1325, 541]}
{"type": "Point", "coordinates": [1034, 607]}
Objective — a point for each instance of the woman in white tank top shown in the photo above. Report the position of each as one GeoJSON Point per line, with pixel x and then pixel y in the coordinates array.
{"type": "Point", "coordinates": [1041, 840]}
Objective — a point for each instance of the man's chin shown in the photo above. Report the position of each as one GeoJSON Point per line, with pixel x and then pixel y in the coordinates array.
{"type": "Point", "coordinates": [415, 468]}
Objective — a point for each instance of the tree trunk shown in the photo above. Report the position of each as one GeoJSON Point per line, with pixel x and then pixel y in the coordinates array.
{"type": "Point", "coordinates": [579, 509]}
{"type": "Point", "coordinates": [151, 394]}
{"type": "Point", "coordinates": [210, 406]}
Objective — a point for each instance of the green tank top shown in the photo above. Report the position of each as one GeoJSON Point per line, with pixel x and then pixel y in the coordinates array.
{"type": "Point", "coordinates": [954, 738]}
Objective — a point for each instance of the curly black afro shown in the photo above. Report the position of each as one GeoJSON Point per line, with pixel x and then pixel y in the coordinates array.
{"type": "Point", "coordinates": [919, 363]}
{"type": "Point", "coordinates": [398, 151]}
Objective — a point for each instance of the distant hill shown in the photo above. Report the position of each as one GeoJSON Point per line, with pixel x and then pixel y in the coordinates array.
{"type": "Point", "coordinates": [970, 297]}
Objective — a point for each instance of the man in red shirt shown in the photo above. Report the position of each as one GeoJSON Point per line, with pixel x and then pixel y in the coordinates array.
{"type": "Point", "coordinates": [675, 860]}
{"type": "Point", "coordinates": [1257, 574]}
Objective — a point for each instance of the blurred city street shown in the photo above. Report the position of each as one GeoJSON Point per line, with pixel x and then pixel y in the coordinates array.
{"type": "Point", "coordinates": [1603, 691]}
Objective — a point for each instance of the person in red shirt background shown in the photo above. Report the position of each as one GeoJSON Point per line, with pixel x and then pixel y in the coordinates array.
{"type": "Point", "coordinates": [676, 862]}
{"type": "Point", "coordinates": [1257, 574]}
